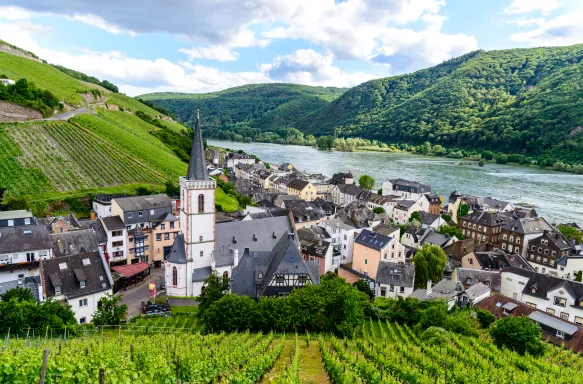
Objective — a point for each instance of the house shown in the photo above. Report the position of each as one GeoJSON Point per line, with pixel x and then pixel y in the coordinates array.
{"type": "Point", "coordinates": [80, 281]}
{"type": "Point", "coordinates": [554, 330]}
{"type": "Point", "coordinates": [7, 82]}
{"type": "Point", "coordinates": [387, 230]}
{"type": "Point", "coordinates": [17, 218]}
{"type": "Point", "coordinates": [269, 264]}
{"type": "Point", "coordinates": [474, 294]}
{"type": "Point", "coordinates": [239, 158]}
{"type": "Point", "coordinates": [116, 247]}
{"type": "Point", "coordinates": [493, 260]}
{"type": "Point", "coordinates": [484, 227]}
{"type": "Point", "coordinates": [370, 248]}
{"type": "Point", "coordinates": [434, 203]}
{"type": "Point", "coordinates": [427, 236]}
{"type": "Point", "coordinates": [379, 201]}
{"type": "Point", "coordinates": [150, 225]}
{"type": "Point", "coordinates": [344, 194]}
{"type": "Point", "coordinates": [517, 233]}
{"type": "Point", "coordinates": [469, 277]}
{"type": "Point", "coordinates": [315, 247]}
{"type": "Point", "coordinates": [101, 204]}
{"type": "Point", "coordinates": [476, 203]}
{"type": "Point", "coordinates": [287, 168]}
{"type": "Point", "coordinates": [394, 279]}
{"type": "Point", "coordinates": [304, 189]}
{"type": "Point", "coordinates": [431, 220]}
{"type": "Point", "coordinates": [405, 189]}
{"type": "Point", "coordinates": [403, 210]}
{"type": "Point", "coordinates": [342, 239]}
{"type": "Point", "coordinates": [555, 296]}
{"type": "Point", "coordinates": [446, 290]}
{"type": "Point", "coordinates": [459, 249]}
{"type": "Point", "coordinates": [342, 178]}
{"type": "Point", "coordinates": [568, 266]}
{"type": "Point", "coordinates": [357, 215]}
{"type": "Point", "coordinates": [545, 252]}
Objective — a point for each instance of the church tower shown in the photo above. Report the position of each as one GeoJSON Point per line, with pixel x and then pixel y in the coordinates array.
{"type": "Point", "coordinates": [197, 210]}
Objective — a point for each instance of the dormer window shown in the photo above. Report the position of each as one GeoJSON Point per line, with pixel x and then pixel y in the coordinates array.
{"type": "Point", "coordinates": [560, 301]}
{"type": "Point", "coordinates": [234, 240]}
{"type": "Point", "coordinates": [254, 237]}
{"type": "Point", "coordinates": [533, 290]}
{"type": "Point", "coordinates": [82, 283]}
{"type": "Point", "coordinates": [274, 235]}
{"type": "Point", "coordinates": [57, 290]}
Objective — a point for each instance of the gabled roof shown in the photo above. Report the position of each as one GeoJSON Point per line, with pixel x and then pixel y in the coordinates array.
{"type": "Point", "coordinates": [543, 284]}
{"type": "Point", "coordinates": [200, 274]}
{"type": "Point", "coordinates": [74, 242]}
{"type": "Point", "coordinates": [409, 186]}
{"type": "Point", "coordinates": [402, 275]}
{"type": "Point", "coordinates": [372, 240]}
{"type": "Point", "coordinates": [177, 253]}
{"type": "Point", "coordinates": [477, 290]}
{"type": "Point", "coordinates": [434, 238]}
{"type": "Point", "coordinates": [141, 203]}
{"type": "Point", "coordinates": [113, 222]}
{"type": "Point", "coordinates": [297, 184]}
{"type": "Point", "coordinates": [197, 165]}
{"type": "Point", "coordinates": [16, 214]}
{"type": "Point", "coordinates": [527, 226]}
{"type": "Point", "coordinates": [428, 218]}
{"type": "Point", "coordinates": [469, 277]}
{"type": "Point", "coordinates": [404, 204]}
{"type": "Point", "coordinates": [25, 238]}
{"type": "Point", "coordinates": [386, 230]}
{"type": "Point", "coordinates": [486, 218]}
{"type": "Point", "coordinates": [68, 271]}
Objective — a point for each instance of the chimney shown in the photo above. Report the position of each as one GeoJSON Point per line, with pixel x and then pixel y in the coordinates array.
{"type": "Point", "coordinates": [429, 290]}
{"type": "Point", "coordinates": [93, 216]}
{"type": "Point", "coordinates": [236, 256]}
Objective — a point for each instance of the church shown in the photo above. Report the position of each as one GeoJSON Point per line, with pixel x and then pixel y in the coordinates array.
{"type": "Point", "coordinates": [261, 257]}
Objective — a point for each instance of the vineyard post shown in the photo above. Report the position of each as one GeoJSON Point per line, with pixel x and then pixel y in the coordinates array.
{"type": "Point", "coordinates": [101, 376]}
{"type": "Point", "coordinates": [27, 333]}
{"type": "Point", "coordinates": [43, 371]}
{"type": "Point", "coordinates": [102, 334]}
{"type": "Point", "coordinates": [46, 334]}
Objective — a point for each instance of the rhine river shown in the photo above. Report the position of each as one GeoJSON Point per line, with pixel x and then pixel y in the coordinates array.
{"type": "Point", "coordinates": [557, 196]}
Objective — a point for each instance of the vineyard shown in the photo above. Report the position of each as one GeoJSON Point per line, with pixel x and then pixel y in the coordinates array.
{"type": "Point", "coordinates": [58, 156]}
{"type": "Point", "coordinates": [382, 353]}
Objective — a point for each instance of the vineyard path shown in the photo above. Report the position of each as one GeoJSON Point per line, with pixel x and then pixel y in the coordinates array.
{"type": "Point", "coordinates": [281, 363]}
{"type": "Point", "coordinates": [312, 368]}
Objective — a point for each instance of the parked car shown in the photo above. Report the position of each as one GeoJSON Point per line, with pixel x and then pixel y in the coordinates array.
{"type": "Point", "coordinates": [156, 309]}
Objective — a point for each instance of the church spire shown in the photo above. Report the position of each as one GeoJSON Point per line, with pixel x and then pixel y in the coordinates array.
{"type": "Point", "coordinates": [197, 166]}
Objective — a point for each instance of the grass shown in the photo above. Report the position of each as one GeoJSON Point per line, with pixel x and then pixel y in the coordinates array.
{"type": "Point", "coordinates": [191, 310]}
{"type": "Point", "coordinates": [228, 203]}
{"type": "Point", "coordinates": [281, 363]}
{"type": "Point", "coordinates": [129, 103]}
{"type": "Point", "coordinates": [45, 77]}
{"type": "Point", "coordinates": [311, 366]}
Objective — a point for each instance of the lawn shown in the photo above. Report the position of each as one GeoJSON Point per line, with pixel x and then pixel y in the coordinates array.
{"type": "Point", "coordinates": [227, 203]}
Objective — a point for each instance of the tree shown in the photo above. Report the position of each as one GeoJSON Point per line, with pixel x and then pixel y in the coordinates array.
{"type": "Point", "coordinates": [451, 231]}
{"type": "Point", "coordinates": [379, 191]}
{"type": "Point", "coordinates": [363, 286]}
{"type": "Point", "coordinates": [143, 191]}
{"type": "Point", "coordinates": [519, 334]}
{"type": "Point", "coordinates": [579, 277]}
{"type": "Point", "coordinates": [446, 217]}
{"type": "Point", "coordinates": [482, 162]}
{"type": "Point", "coordinates": [19, 294]}
{"type": "Point", "coordinates": [111, 312]}
{"type": "Point", "coordinates": [20, 315]}
{"type": "Point", "coordinates": [325, 142]}
{"type": "Point", "coordinates": [366, 182]}
{"type": "Point", "coordinates": [488, 155]}
{"type": "Point", "coordinates": [378, 210]}
{"type": "Point", "coordinates": [429, 263]}
{"type": "Point", "coordinates": [571, 233]}
{"type": "Point", "coordinates": [415, 216]}
{"type": "Point", "coordinates": [485, 318]}
{"type": "Point", "coordinates": [172, 189]}
{"type": "Point", "coordinates": [215, 288]}
{"type": "Point", "coordinates": [463, 210]}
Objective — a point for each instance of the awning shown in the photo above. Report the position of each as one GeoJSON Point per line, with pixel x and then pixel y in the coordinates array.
{"type": "Point", "coordinates": [131, 269]}
{"type": "Point", "coordinates": [553, 322]}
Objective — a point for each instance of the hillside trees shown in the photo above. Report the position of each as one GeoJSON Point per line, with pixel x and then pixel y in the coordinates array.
{"type": "Point", "coordinates": [27, 94]}
{"type": "Point", "coordinates": [325, 142]}
{"type": "Point", "coordinates": [366, 182]}
{"type": "Point", "coordinates": [429, 263]}
{"type": "Point", "coordinates": [111, 312]}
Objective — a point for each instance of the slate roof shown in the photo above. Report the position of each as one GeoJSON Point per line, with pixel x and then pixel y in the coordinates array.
{"type": "Point", "coordinates": [380, 199]}
{"type": "Point", "coordinates": [477, 290]}
{"type": "Point", "coordinates": [434, 238]}
{"type": "Point", "coordinates": [113, 222]}
{"type": "Point", "coordinates": [29, 282]}
{"type": "Point", "coordinates": [558, 240]}
{"type": "Point", "coordinates": [351, 189]}
{"type": "Point", "coordinates": [545, 283]}
{"type": "Point", "coordinates": [404, 204]}
{"type": "Point", "coordinates": [444, 289]}
{"type": "Point", "coordinates": [140, 203]}
{"type": "Point", "coordinates": [177, 254]}
{"type": "Point", "coordinates": [409, 186]}
{"type": "Point", "coordinates": [337, 223]}
{"type": "Point", "coordinates": [313, 232]}
{"type": "Point", "coordinates": [26, 238]}
{"type": "Point", "coordinates": [297, 184]}
{"type": "Point", "coordinates": [200, 274]}
{"type": "Point", "coordinates": [486, 218]}
{"type": "Point", "coordinates": [469, 277]}
{"type": "Point", "coordinates": [386, 230]}
{"type": "Point", "coordinates": [74, 242]}
{"type": "Point", "coordinates": [340, 178]}
{"type": "Point", "coordinates": [279, 212]}
{"type": "Point", "coordinates": [94, 273]}
{"type": "Point", "coordinates": [372, 240]}
{"type": "Point", "coordinates": [401, 275]}
{"type": "Point", "coordinates": [355, 214]}
{"type": "Point", "coordinates": [197, 165]}
{"type": "Point", "coordinates": [528, 226]}
{"type": "Point", "coordinates": [428, 218]}
{"type": "Point", "coordinates": [16, 214]}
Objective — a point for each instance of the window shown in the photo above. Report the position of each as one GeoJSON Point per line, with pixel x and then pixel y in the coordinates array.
{"type": "Point", "coordinates": [82, 320]}
{"type": "Point", "coordinates": [116, 233]}
{"type": "Point", "coordinates": [158, 237]}
{"type": "Point", "coordinates": [26, 221]}
{"type": "Point", "coordinates": [383, 292]}
{"type": "Point", "coordinates": [532, 305]}
{"type": "Point", "coordinates": [504, 237]}
{"type": "Point", "coordinates": [365, 261]}
{"type": "Point", "coordinates": [564, 316]}
{"type": "Point", "coordinates": [471, 260]}
{"type": "Point", "coordinates": [174, 276]}
{"type": "Point", "coordinates": [550, 311]}
{"type": "Point", "coordinates": [201, 253]}
{"type": "Point", "coordinates": [540, 250]}
{"type": "Point", "coordinates": [517, 250]}
{"type": "Point", "coordinates": [83, 302]}
{"type": "Point", "coordinates": [30, 256]}
{"type": "Point", "coordinates": [200, 203]}
{"type": "Point", "coordinates": [279, 279]}
{"type": "Point", "coordinates": [511, 239]}
{"type": "Point", "coordinates": [391, 288]}
{"type": "Point", "coordinates": [225, 275]}
{"type": "Point", "coordinates": [401, 289]}
{"type": "Point", "coordinates": [82, 283]}
{"type": "Point", "coordinates": [578, 320]}
{"type": "Point", "coordinates": [166, 236]}
{"type": "Point", "coordinates": [385, 255]}
{"type": "Point", "coordinates": [533, 248]}
{"type": "Point", "coordinates": [162, 226]}
{"type": "Point", "coordinates": [546, 251]}
{"type": "Point", "coordinates": [172, 225]}
{"type": "Point", "coordinates": [554, 253]}
{"type": "Point", "coordinates": [545, 260]}
{"type": "Point", "coordinates": [130, 215]}
{"type": "Point", "coordinates": [117, 244]}
{"type": "Point", "coordinates": [518, 240]}
{"type": "Point", "coordinates": [560, 301]}
{"type": "Point", "coordinates": [503, 245]}
{"type": "Point", "coordinates": [302, 279]}
{"type": "Point", "coordinates": [58, 290]}
{"type": "Point", "coordinates": [152, 212]}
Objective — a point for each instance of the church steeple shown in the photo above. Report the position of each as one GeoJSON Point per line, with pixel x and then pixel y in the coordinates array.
{"type": "Point", "coordinates": [197, 165]}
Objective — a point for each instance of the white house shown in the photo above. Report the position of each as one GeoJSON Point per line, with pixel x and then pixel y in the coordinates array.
{"type": "Point", "coordinates": [474, 294]}
{"type": "Point", "coordinates": [116, 248]}
{"type": "Point", "coordinates": [407, 190]}
{"type": "Point", "coordinates": [344, 194]}
{"type": "Point", "coordinates": [80, 280]}
{"type": "Point", "coordinates": [555, 296]}
{"type": "Point", "coordinates": [342, 239]}
{"type": "Point", "coordinates": [429, 220]}
{"type": "Point", "coordinates": [380, 201]}
{"type": "Point", "coordinates": [239, 158]}
{"type": "Point", "coordinates": [404, 209]}
{"type": "Point", "coordinates": [394, 279]}
{"type": "Point", "coordinates": [7, 82]}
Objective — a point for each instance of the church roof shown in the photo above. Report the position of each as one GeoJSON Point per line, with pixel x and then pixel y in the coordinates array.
{"type": "Point", "coordinates": [177, 253]}
{"type": "Point", "coordinates": [197, 165]}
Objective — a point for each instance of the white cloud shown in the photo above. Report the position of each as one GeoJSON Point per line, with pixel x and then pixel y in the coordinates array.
{"type": "Point", "coordinates": [526, 6]}
{"type": "Point", "coordinates": [562, 30]}
{"type": "Point", "coordinates": [98, 22]}
{"type": "Point", "coordinates": [433, 22]}
{"type": "Point", "coordinates": [14, 13]}
{"type": "Point", "coordinates": [219, 53]}
{"type": "Point", "coordinates": [306, 66]}
{"type": "Point", "coordinates": [527, 22]}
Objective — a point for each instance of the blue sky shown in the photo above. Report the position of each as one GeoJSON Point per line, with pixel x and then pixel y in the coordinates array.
{"type": "Point", "coordinates": [203, 46]}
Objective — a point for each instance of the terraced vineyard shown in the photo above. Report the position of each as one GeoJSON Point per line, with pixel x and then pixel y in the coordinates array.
{"type": "Point", "coordinates": [382, 353]}
{"type": "Point", "coordinates": [58, 156]}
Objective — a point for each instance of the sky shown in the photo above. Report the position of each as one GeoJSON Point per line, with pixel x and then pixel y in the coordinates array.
{"type": "Point", "coordinates": [205, 46]}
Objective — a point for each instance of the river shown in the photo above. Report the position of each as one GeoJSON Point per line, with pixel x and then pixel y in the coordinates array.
{"type": "Point", "coordinates": [557, 196]}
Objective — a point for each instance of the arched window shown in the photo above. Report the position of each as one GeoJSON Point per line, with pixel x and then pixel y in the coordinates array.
{"type": "Point", "coordinates": [200, 203]}
{"type": "Point", "coordinates": [201, 253]}
{"type": "Point", "coordinates": [174, 276]}
{"type": "Point", "coordinates": [225, 275]}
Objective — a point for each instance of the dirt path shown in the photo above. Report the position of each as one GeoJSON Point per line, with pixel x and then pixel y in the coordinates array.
{"type": "Point", "coordinates": [311, 366]}
{"type": "Point", "coordinates": [281, 362]}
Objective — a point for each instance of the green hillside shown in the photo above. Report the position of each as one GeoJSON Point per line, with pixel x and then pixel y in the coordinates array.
{"type": "Point", "coordinates": [266, 106]}
{"type": "Point", "coordinates": [526, 101]}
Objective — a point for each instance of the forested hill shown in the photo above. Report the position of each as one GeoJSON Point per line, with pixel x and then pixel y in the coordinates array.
{"type": "Point", "coordinates": [265, 106]}
{"type": "Point", "coordinates": [516, 101]}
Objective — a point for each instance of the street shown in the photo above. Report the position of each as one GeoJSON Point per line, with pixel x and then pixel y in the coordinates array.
{"type": "Point", "coordinates": [133, 297]}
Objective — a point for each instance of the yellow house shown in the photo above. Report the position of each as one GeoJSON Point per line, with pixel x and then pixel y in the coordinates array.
{"type": "Point", "coordinates": [304, 189]}
{"type": "Point", "coordinates": [371, 247]}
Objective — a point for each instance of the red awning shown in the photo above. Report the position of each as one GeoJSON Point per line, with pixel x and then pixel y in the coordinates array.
{"type": "Point", "coordinates": [131, 269]}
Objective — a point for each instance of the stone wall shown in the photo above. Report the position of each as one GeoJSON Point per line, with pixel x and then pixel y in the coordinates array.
{"type": "Point", "coordinates": [16, 52]}
{"type": "Point", "coordinates": [10, 112]}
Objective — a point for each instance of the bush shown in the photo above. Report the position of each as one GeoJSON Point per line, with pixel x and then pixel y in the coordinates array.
{"type": "Point", "coordinates": [519, 334]}
{"type": "Point", "coordinates": [435, 336]}
{"type": "Point", "coordinates": [485, 318]}
{"type": "Point", "coordinates": [501, 159]}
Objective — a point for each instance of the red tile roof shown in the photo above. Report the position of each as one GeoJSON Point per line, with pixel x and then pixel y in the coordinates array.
{"type": "Point", "coordinates": [490, 305]}
{"type": "Point", "coordinates": [131, 269]}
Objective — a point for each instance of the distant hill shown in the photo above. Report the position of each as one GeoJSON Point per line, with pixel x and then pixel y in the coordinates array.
{"type": "Point", "coordinates": [525, 101]}
{"type": "Point", "coordinates": [265, 106]}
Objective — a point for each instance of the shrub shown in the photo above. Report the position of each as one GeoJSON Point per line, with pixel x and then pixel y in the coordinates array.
{"type": "Point", "coordinates": [435, 336]}
{"type": "Point", "coordinates": [519, 334]}
{"type": "Point", "coordinates": [485, 318]}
